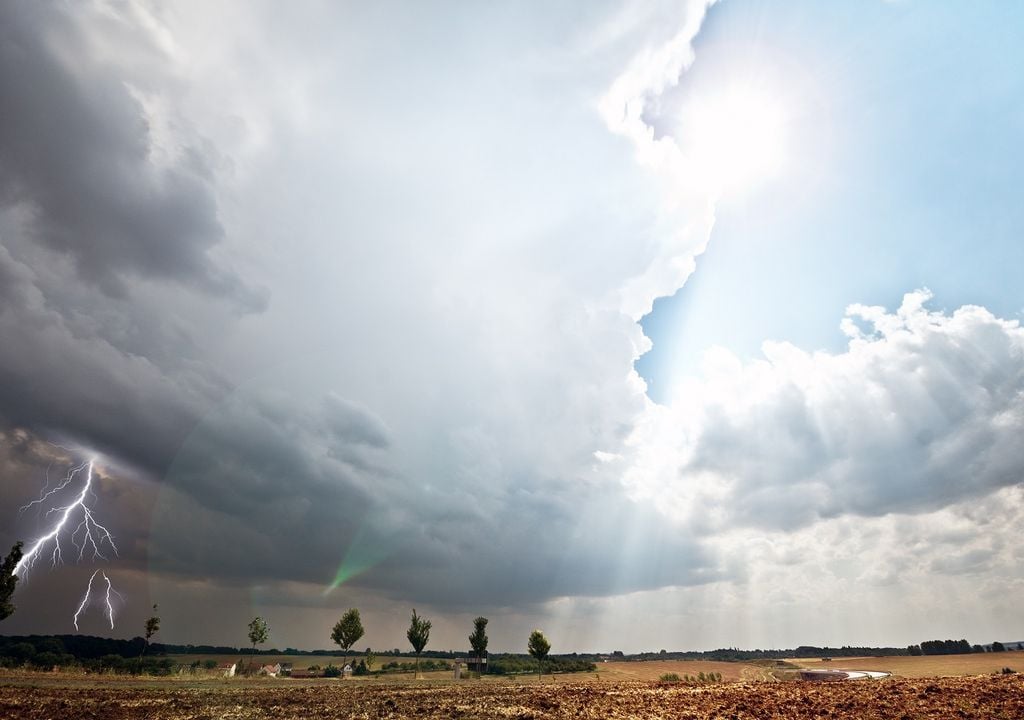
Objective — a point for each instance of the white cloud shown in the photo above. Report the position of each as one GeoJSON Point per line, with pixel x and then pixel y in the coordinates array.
{"type": "Point", "coordinates": [924, 409]}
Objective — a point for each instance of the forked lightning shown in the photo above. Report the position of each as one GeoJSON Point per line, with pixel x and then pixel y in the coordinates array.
{"type": "Point", "coordinates": [88, 534]}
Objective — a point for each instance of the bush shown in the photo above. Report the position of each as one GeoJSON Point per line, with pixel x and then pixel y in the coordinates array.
{"type": "Point", "coordinates": [22, 651]}
{"type": "Point", "coordinates": [332, 671]}
{"type": "Point", "coordinates": [47, 660]}
{"type": "Point", "coordinates": [500, 664]}
{"type": "Point", "coordinates": [425, 664]}
{"type": "Point", "coordinates": [669, 677]}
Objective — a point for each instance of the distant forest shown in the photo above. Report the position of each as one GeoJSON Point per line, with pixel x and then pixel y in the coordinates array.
{"type": "Point", "coordinates": [91, 647]}
{"type": "Point", "coordinates": [85, 647]}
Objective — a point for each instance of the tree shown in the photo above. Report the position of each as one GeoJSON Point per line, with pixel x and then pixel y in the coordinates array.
{"type": "Point", "coordinates": [419, 635]}
{"type": "Point", "coordinates": [998, 647]}
{"type": "Point", "coordinates": [348, 630]}
{"type": "Point", "coordinates": [371, 658]}
{"type": "Point", "coordinates": [259, 631]}
{"type": "Point", "coordinates": [8, 580]}
{"type": "Point", "coordinates": [152, 628]}
{"type": "Point", "coordinates": [538, 646]}
{"type": "Point", "coordinates": [478, 641]}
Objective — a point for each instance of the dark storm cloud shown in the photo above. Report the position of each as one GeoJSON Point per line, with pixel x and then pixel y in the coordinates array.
{"type": "Point", "coordinates": [75, 149]}
{"type": "Point", "coordinates": [87, 389]}
{"type": "Point", "coordinates": [85, 214]}
{"type": "Point", "coordinates": [353, 423]}
{"type": "Point", "coordinates": [267, 478]}
{"type": "Point", "coordinates": [254, 485]}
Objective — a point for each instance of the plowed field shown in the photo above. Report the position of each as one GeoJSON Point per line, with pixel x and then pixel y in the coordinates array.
{"type": "Point", "coordinates": [896, 698]}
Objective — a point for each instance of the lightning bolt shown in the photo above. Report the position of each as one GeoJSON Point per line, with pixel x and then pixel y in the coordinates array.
{"type": "Point", "coordinates": [88, 534]}
{"type": "Point", "coordinates": [107, 601]}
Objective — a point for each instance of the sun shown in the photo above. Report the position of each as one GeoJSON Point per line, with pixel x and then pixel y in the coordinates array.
{"type": "Point", "coordinates": [735, 138]}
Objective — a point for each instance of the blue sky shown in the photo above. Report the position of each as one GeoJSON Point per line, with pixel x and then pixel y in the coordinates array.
{"type": "Point", "coordinates": [905, 172]}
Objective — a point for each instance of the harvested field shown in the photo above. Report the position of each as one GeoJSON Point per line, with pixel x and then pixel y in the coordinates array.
{"type": "Point", "coordinates": [923, 666]}
{"type": "Point", "coordinates": [653, 669]}
{"type": "Point", "coordinates": [898, 698]}
{"type": "Point", "coordinates": [621, 670]}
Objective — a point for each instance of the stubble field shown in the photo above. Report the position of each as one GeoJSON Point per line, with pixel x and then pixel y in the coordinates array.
{"type": "Point", "coordinates": [925, 665]}
{"type": "Point", "coordinates": [989, 697]}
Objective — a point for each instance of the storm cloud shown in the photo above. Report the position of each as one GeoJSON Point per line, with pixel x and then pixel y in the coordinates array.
{"type": "Point", "coordinates": [345, 306]}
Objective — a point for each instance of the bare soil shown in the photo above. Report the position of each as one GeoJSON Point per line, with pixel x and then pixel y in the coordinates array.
{"type": "Point", "coordinates": [989, 697]}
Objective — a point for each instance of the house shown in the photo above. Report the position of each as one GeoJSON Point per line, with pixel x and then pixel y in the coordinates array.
{"type": "Point", "coordinates": [347, 670]}
{"type": "Point", "coordinates": [270, 670]}
{"type": "Point", "coordinates": [227, 669]}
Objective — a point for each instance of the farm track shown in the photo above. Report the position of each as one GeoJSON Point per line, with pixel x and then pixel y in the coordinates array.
{"type": "Point", "coordinates": [991, 697]}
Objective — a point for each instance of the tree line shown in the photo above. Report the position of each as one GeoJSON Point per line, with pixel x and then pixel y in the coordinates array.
{"type": "Point", "coordinates": [110, 654]}
{"type": "Point", "coordinates": [955, 647]}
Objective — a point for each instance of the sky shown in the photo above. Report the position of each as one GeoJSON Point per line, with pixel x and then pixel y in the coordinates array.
{"type": "Point", "coordinates": [653, 325]}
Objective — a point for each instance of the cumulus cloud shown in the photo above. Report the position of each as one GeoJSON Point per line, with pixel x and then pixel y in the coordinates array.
{"type": "Point", "coordinates": [631, 108]}
{"type": "Point", "coordinates": [923, 410]}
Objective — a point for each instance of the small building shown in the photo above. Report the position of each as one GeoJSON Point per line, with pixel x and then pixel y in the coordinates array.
{"type": "Point", "coordinates": [286, 670]}
{"type": "Point", "coordinates": [347, 671]}
{"type": "Point", "coordinates": [227, 669]}
{"type": "Point", "coordinates": [270, 670]}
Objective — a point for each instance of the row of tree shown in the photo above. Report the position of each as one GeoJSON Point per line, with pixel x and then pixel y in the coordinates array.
{"type": "Point", "coordinates": [349, 630]}
{"type": "Point", "coordinates": [345, 633]}
{"type": "Point", "coordinates": [954, 647]}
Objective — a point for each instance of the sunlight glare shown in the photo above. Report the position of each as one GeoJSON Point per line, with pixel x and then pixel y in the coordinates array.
{"type": "Point", "coordinates": [736, 138]}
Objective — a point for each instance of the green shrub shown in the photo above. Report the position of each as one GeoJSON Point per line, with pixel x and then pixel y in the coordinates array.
{"type": "Point", "coordinates": [332, 671]}
{"type": "Point", "coordinates": [669, 677]}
